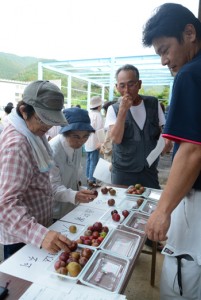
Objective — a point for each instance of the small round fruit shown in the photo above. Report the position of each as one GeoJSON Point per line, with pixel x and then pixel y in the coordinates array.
{"type": "Point", "coordinates": [95, 234]}
{"type": "Point", "coordinates": [76, 255]}
{"type": "Point", "coordinates": [104, 190]}
{"type": "Point", "coordinates": [140, 201]}
{"type": "Point", "coordinates": [88, 232]}
{"type": "Point", "coordinates": [64, 256]}
{"type": "Point", "coordinates": [116, 217]}
{"type": "Point", "coordinates": [111, 202]}
{"type": "Point", "coordinates": [73, 246]}
{"type": "Point", "coordinates": [62, 270]}
{"type": "Point", "coordinates": [86, 252]}
{"type": "Point", "coordinates": [59, 263]}
{"type": "Point", "coordinates": [105, 229]}
{"type": "Point", "coordinates": [114, 212]}
{"type": "Point", "coordinates": [82, 261]}
{"type": "Point", "coordinates": [112, 192]}
{"type": "Point", "coordinates": [95, 193]}
{"type": "Point", "coordinates": [97, 226]}
{"type": "Point", "coordinates": [73, 229]}
{"type": "Point", "coordinates": [103, 234]}
{"type": "Point", "coordinates": [74, 269]}
{"type": "Point", "coordinates": [125, 213]}
{"type": "Point", "coordinates": [138, 186]}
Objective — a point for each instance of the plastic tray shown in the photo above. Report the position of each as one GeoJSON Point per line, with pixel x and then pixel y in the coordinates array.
{"type": "Point", "coordinates": [79, 248]}
{"type": "Point", "coordinates": [154, 194]}
{"type": "Point", "coordinates": [144, 194]}
{"type": "Point", "coordinates": [122, 243]}
{"type": "Point", "coordinates": [148, 206]}
{"type": "Point", "coordinates": [106, 271]}
{"type": "Point", "coordinates": [137, 221]}
{"type": "Point", "coordinates": [128, 203]}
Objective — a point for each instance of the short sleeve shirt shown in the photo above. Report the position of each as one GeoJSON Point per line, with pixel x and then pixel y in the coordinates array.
{"type": "Point", "coordinates": [184, 116]}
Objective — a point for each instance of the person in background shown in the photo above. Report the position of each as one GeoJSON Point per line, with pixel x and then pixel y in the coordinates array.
{"type": "Point", "coordinates": [67, 153]}
{"type": "Point", "coordinates": [92, 146]}
{"type": "Point", "coordinates": [106, 147]}
{"type": "Point", "coordinates": [135, 124]}
{"type": "Point", "coordinates": [26, 200]}
{"type": "Point", "coordinates": [7, 109]}
{"type": "Point", "coordinates": [175, 34]}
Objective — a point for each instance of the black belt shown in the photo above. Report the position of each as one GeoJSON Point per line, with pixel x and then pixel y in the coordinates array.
{"type": "Point", "coordinates": [179, 258]}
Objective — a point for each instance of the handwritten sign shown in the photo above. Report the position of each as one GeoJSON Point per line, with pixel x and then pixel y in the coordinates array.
{"type": "Point", "coordinates": [83, 215]}
{"type": "Point", "coordinates": [28, 263]}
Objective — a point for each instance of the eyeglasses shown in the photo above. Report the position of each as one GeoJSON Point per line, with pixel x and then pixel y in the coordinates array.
{"type": "Point", "coordinates": [129, 84]}
{"type": "Point", "coordinates": [39, 121]}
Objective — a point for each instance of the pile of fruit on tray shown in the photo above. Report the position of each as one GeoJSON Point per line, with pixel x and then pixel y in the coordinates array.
{"type": "Point", "coordinates": [136, 189]}
{"type": "Point", "coordinates": [94, 235]}
{"type": "Point", "coordinates": [71, 263]}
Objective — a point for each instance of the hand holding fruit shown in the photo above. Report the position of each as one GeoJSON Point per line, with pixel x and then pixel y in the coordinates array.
{"type": "Point", "coordinates": [54, 241]}
{"type": "Point", "coordinates": [85, 196]}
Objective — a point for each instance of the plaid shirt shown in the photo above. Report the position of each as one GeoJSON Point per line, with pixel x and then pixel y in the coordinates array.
{"type": "Point", "coordinates": [25, 192]}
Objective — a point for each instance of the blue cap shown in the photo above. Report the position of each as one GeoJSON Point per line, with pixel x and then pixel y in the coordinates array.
{"type": "Point", "coordinates": [78, 119]}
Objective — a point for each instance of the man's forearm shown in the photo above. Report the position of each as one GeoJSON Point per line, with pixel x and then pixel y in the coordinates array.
{"type": "Point", "coordinates": [184, 171]}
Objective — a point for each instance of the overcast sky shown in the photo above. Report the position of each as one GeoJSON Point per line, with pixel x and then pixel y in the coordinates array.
{"type": "Point", "coordinates": [73, 29]}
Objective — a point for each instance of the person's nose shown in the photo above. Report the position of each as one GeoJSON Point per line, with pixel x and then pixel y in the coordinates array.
{"type": "Point", "coordinates": [126, 89]}
{"type": "Point", "coordinates": [164, 60]}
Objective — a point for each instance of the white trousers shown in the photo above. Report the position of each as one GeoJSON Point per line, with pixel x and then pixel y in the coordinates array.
{"type": "Point", "coordinates": [191, 280]}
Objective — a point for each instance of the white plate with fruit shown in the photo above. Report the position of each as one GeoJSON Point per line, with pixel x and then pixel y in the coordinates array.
{"type": "Point", "coordinates": [71, 265]}
{"type": "Point", "coordinates": [137, 190]}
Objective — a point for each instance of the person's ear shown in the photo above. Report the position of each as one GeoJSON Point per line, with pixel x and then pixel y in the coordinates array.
{"type": "Point", "coordinates": [23, 113]}
{"type": "Point", "coordinates": [140, 84]}
{"type": "Point", "coordinates": [189, 33]}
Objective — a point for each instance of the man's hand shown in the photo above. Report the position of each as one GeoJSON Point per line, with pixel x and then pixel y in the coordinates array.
{"type": "Point", "coordinates": [126, 102]}
{"type": "Point", "coordinates": [157, 226]}
{"type": "Point", "coordinates": [54, 241]}
{"type": "Point", "coordinates": [85, 196]}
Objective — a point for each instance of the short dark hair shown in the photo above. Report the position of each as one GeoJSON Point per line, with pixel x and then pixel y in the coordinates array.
{"type": "Point", "coordinates": [27, 108]}
{"type": "Point", "coordinates": [169, 20]}
{"type": "Point", "coordinates": [128, 67]}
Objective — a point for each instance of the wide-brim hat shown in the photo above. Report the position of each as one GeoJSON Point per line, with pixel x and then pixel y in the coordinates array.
{"type": "Point", "coordinates": [95, 102]}
{"type": "Point", "coordinates": [77, 119]}
{"type": "Point", "coordinates": [47, 101]}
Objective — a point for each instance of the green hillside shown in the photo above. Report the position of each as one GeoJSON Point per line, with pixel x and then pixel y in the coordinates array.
{"type": "Point", "coordinates": [16, 67]}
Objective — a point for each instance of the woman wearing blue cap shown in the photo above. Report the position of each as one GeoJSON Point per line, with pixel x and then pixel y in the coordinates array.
{"type": "Point", "coordinates": [67, 153]}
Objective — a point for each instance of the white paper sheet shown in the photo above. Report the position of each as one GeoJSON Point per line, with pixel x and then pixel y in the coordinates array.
{"type": "Point", "coordinates": [56, 289]}
{"type": "Point", "coordinates": [102, 171]}
{"type": "Point", "coordinates": [28, 263]}
{"type": "Point", "coordinates": [154, 154]}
